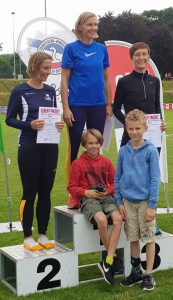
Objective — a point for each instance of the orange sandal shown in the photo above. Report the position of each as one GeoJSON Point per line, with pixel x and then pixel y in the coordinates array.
{"type": "Point", "coordinates": [49, 245]}
{"type": "Point", "coordinates": [37, 247]}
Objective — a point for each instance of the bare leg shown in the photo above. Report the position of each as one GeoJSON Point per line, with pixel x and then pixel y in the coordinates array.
{"type": "Point", "coordinates": [109, 241]}
{"type": "Point", "coordinates": [115, 233]}
{"type": "Point", "coordinates": [135, 249]}
{"type": "Point", "coordinates": [150, 255]}
{"type": "Point", "coordinates": [102, 224]}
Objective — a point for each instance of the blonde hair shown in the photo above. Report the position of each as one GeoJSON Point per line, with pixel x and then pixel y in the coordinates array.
{"type": "Point", "coordinates": [96, 133]}
{"type": "Point", "coordinates": [35, 62]}
{"type": "Point", "coordinates": [135, 115]}
{"type": "Point", "coordinates": [81, 20]}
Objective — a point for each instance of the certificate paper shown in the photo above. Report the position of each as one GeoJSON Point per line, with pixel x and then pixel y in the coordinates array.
{"type": "Point", "coordinates": [153, 134]}
{"type": "Point", "coordinates": [107, 132]}
{"type": "Point", "coordinates": [49, 134]}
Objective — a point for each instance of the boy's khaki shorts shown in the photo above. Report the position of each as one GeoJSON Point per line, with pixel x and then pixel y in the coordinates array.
{"type": "Point", "coordinates": [135, 226]}
{"type": "Point", "coordinates": [89, 207]}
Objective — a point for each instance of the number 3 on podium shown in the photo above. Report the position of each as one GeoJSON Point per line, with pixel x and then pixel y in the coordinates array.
{"type": "Point", "coordinates": [157, 259]}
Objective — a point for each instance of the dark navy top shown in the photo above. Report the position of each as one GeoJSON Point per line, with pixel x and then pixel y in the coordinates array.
{"type": "Point", "coordinates": [23, 107]}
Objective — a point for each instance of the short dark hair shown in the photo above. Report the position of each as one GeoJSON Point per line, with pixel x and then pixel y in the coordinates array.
{"type": "Point", "coordinates": [96, 133]}
{"type": "Point", "coordinates": [35, 62]}
{"type": "Point", "coordinates": [136, 46]}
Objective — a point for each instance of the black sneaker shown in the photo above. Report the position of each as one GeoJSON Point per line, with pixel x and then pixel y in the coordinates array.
{"type": "Point", "coordinates": [148, 283]}
{"type": "Point", "coordinates": [117, 266]}
{"type": "Point", "coordinates": [106, 271]}
{"type": "Point", "coordinates": [132, 279]}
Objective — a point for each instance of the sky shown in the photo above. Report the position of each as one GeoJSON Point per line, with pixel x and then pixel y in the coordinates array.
{"type": "Point", "coordinates": [65, 11]}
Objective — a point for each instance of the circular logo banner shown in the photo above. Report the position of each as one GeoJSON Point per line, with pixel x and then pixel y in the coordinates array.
{"type": "Point", "coordinates": [50, 36]}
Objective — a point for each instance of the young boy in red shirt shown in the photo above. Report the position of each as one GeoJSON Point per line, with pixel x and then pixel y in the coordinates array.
{"type": "Point", "coordinates": [92, 183]}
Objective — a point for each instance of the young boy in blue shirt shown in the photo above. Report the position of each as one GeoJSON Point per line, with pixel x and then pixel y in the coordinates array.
{"type": "Point", "coordinates": [137, 183]}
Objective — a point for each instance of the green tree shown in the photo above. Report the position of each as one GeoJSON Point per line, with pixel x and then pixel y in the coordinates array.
{"type": "Point", "coordinates": [147, 27]}
{"type": "Point", "coordinates": [7, 66]}
{"type": "Point", "coordinates": [160, 17]}
{"type": "Point", "coordinates": [128, 27]}
{"type": "Point", "coordinates": [161, 43]}
{"type": "Point", "coordinates": [107, 25]}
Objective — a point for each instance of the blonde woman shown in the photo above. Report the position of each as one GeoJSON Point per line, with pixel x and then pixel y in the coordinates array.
{"type": "Point", "coordinates": [85, 85]}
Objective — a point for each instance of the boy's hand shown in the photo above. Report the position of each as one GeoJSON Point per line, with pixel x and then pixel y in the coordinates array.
{"type": "Point", "coordinates": [150, 214]}
{"type": "Point", "coordinates": [122, 211]}
{"type": "Point", "coordinates": [93, 194]}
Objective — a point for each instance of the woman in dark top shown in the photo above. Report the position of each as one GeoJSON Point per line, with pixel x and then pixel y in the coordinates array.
{"type": "Point", "coordinates": [139, 89]}
{"type": "Point", "coordinates": [37, 162]}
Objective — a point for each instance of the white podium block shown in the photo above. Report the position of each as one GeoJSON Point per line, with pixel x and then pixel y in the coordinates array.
{"type": "Point", "coordinates": [72, 226]}
{"type": "Point", "coordinates": [26, 272]}
{"type": "Point", "coordinates": [163, 253]}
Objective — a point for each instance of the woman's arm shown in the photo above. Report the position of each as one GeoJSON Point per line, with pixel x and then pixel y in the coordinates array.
{"type": "Point", "coordinates": [67, 114]}
{"type": "Point", "coordinates": [119, 101]}
{"type": "Point", "coordinates": [13, 110]}
{"type": "Point", "coordinates": [108, 92]}
{"type": "Point", "coordinates": [158, 105]}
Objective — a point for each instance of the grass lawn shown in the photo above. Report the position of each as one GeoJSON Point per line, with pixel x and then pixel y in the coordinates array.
{"type": "Point", "coordinates": [59, 196]}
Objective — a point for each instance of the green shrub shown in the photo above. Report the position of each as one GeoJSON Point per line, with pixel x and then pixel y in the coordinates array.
{"type": "Point", "coordinates": [6, 85]}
